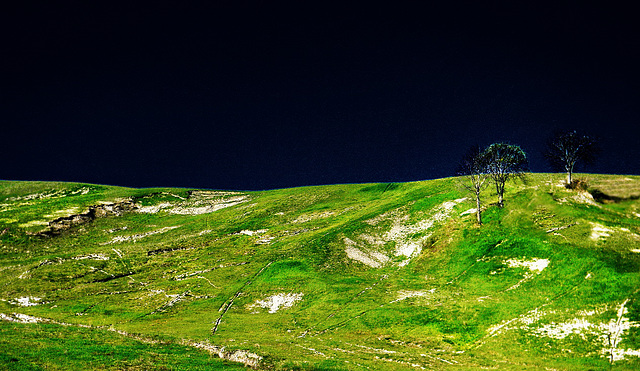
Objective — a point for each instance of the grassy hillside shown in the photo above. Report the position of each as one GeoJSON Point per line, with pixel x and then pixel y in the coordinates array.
{"type": "Point", "coordinates": [377, 276]}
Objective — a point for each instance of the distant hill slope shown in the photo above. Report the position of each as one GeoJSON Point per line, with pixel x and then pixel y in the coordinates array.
{"type": "Point", "coordinates": [377, 276]}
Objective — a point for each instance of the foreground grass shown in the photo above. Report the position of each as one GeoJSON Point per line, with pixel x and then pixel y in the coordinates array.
{"type": "Point", "coordinates": [56, 347]}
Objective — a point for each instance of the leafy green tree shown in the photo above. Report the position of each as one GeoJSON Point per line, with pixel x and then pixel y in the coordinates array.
{"type": "Point", "coordinates": [504, 162]}
{"type": "Point", "coordinates": [568, 148]}
{"type": "Point", "coordinates": [473, 170]}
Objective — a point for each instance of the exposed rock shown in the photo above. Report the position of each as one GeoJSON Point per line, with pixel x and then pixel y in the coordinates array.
{"type": "Point", "coordinates": [59, 225]}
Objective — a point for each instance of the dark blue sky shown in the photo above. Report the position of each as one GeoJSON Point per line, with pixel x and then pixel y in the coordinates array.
{"type": "Point", "coordinates": [252, 95]}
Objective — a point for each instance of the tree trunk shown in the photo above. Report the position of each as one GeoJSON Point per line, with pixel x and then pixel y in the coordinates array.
{"type": "Point", "coordinates": [569, 168]}
{"type": "Point", "coordinates": [478, 211]}
{"type": "Point", "coordinates": [500, 192]}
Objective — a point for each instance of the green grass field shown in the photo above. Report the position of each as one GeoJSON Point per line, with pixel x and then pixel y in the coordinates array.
{"type": "Point", "coordinates": [347, 277]}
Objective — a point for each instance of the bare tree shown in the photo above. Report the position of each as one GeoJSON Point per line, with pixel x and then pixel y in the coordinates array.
{"type": "Point", "coordinates": [505, 161]}
{"type": "Point", "coordinates": [473, 170]}
{"type": "Point", "coordinates": [567, 148]}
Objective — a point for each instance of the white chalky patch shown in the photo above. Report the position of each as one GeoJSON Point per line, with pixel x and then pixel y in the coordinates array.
{"type": "Point", "coordinates": [467, 212]}
{"type": "Point", "coordinates": [374, 350]}
{"type": "Point", "coordinates": [204, 209]}
{"type": "Point", "coordinates": [26, 301]}
{"type": "Point", "coordinates": [406, 294]}
{"type": "Point", "coordinates": [81, 191]}
{"type": "Point", "coordinates": [205, 203]}
{"type": "Point", "coordinates": [524, 320]}
{"type": "Point", "coordinates": [308, 217]}
{"type": "Point", "coordinates": [20, 318]}
{"type": "Point", "coordinates": [608, 335]}
{"type": "Point", "coordinates": [612, 333]}
{"type": "Point", "coordinates": [562, 330]}
{"type": "Point", "coordinates": [37, 196]}
{"type": "Point", "coordinates": [588, 313]}
{"type": "Point", "coordinates": [449, 205]}
{"type": "Point", "coordinates": [265, 240]}
{"type": "Point", "coordinates": [403, 234]}
{"type": "Point", "coordinates": [598, 231]}
{"type": "Point", "coordinates": [536, 265]}
{"type": "Point", "coordinates": [153, 208]}
{"type": "Point", "coordinates": [275, 302]}
{"type": "Point", "coordinates": [136, 237]}
{"type": "Point", "coordinates": [251, 233]}
{"type": "Point", "coordinates": [408, 249]}
{"type": "Point", "coordinates": [374, 259]}
{"type": "Point", "coordinates": [619, 354]}
{"type": "Point", "coordinates": [585, 198]}
{"type": "Point", "coordinates": [92, 257]}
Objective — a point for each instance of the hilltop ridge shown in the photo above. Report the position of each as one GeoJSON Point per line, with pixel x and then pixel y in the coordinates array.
{"type": "Point", "coordinates": [378, 276]}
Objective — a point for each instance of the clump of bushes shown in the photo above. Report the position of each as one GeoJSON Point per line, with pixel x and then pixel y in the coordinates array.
{"type": "Point", "coordinates": [578, 184]}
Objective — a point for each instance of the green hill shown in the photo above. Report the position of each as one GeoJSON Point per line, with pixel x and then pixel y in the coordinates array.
{"type": "Point", "coordinates": [363, 276]}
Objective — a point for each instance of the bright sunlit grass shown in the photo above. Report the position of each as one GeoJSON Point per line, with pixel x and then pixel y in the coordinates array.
{"type": "Point", "coordinates": [287, 275]}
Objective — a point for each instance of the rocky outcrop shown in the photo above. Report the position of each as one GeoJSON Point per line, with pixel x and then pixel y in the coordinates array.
{"type": "Point", "coordinates": [59, 225]}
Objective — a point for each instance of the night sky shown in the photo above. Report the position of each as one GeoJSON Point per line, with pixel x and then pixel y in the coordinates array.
{"type": "Point", "coordinates": [260, 95]}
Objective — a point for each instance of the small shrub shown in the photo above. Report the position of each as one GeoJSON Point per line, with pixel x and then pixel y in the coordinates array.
{"type": "Point", "coordinates": [579, 184]}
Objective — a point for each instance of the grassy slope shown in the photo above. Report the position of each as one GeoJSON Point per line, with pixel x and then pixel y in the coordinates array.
{"type": "Point", "coordinates": [458, 303]}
